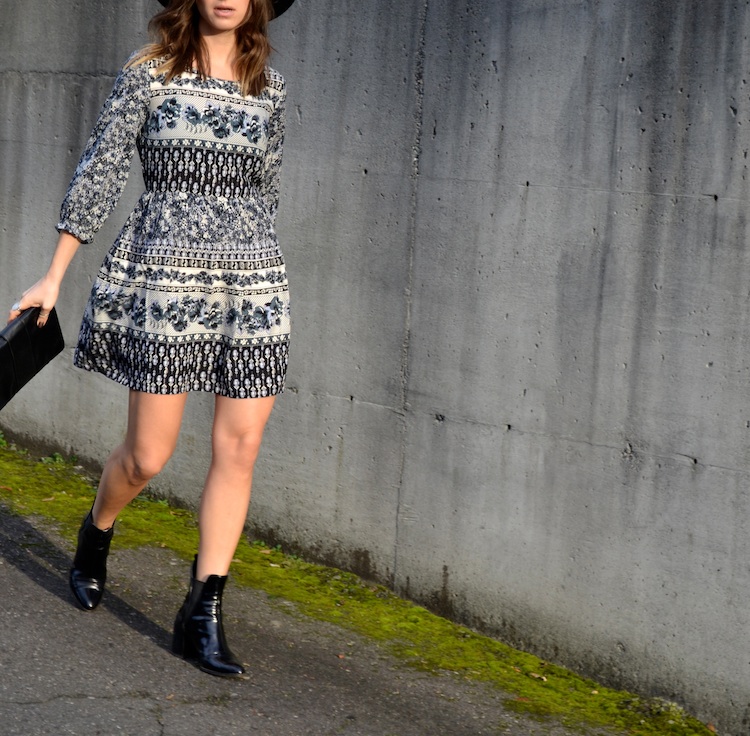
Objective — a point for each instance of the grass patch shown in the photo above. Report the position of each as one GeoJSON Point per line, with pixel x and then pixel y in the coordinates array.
{"type": "Point", "coordinates": [53, 488]}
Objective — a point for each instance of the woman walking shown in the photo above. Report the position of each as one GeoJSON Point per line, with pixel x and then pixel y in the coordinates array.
{"type": "Point", "coordinates": [193, 294]}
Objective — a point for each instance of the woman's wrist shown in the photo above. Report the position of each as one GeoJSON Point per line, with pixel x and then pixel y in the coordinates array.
{"type": "Point", "coordinates": [52, 280]}
{"type": "Point", "coordinates": [67, 245]}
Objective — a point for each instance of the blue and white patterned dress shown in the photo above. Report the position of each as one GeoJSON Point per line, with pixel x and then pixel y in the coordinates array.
{"type": "Point", "coordinates": [193, 294]}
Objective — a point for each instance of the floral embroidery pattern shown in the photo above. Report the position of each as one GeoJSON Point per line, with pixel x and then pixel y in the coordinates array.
{"type": "Point", "coordinates": [204, 278]}
{"type": "Point", "coordinates": [180, 313]}
{"type": "Point", "coordinates": [222, 122]}
{"type": "Point", "coordinates": [253, 318]}
{"type": "Point", "coordinates": [188, 311]}
{"type": "Point", "coordinates": [165, 116]}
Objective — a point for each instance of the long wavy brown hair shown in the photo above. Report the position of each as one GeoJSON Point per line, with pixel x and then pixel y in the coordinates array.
{"type": "Point", "coordinates": [177, 40]}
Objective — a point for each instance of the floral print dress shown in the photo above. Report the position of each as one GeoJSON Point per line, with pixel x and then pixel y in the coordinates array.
{"type": "Point", "coordinates": [193, 294]}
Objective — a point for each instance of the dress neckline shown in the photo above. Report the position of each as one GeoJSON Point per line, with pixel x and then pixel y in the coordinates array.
{"type": "Point", "coordinates": [193, 70]}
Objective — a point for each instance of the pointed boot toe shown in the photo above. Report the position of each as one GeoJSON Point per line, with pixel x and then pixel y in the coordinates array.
{"type": "Point", "coordinates": [87, 591]}
{"type": "Point", "coordinates": [221, 668]}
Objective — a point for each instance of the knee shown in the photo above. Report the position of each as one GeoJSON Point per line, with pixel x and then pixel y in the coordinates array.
{"type": "Point", "coordinates": [140, 467]}
{"type": "Point", "coordinates": [240, 450]}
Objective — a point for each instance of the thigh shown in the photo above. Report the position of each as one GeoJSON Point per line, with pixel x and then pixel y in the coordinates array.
{"type": "Point", "coordinates": [240, 419]}
{"type": "Point", "coordinates": [154, 423]}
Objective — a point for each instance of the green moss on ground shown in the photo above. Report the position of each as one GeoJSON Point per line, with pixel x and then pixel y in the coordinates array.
{"type": "Point", "coordinates": [53, 488]}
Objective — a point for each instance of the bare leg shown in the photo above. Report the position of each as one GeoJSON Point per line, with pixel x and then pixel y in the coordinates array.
{"type": "Point", "coordinates": [153, 427]}
{"type": "Point", "coordinates": [237, 434]}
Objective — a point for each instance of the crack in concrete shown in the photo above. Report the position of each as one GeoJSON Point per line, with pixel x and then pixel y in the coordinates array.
{"type": "Point", "coordinates": [506, 427]}
{"type": "Point", "coordinates": [646, 192]}
{"type": "Point", "coordinates": [598, 190]}
{"type": "Point", "coordinates": [408, 291]}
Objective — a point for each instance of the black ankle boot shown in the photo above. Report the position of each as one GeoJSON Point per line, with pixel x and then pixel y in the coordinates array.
{"type": "Point", "coordinates": [199, 630]}
{"type": "Point", "coordinates": [89, 571]}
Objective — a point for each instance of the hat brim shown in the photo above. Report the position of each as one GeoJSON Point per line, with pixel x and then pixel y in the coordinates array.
{"type": "Point", "coordinates": [279, 6]}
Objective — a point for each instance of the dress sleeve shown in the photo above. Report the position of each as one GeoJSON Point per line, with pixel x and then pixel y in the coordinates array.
{"type": "Point", "coordinates": [269, 189]}
{"type": "Point", "coordinates": [101, 173]}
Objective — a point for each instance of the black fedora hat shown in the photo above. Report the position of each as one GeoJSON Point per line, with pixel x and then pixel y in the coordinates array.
{"type": "Point", "coordinates": [279, 6]}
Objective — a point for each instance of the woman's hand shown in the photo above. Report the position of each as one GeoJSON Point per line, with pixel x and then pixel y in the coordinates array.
{"type": "Point", "coordinates": [42, 294]}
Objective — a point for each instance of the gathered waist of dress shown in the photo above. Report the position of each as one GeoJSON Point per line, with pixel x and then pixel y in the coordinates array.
{"type": "Point", "coordinates": [200, 172]}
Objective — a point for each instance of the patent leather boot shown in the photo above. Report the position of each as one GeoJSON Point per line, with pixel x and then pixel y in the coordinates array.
{"type": "Point", "coordinates": [199, 629]}
{"type": "Point", "coordinates": [89, 572]}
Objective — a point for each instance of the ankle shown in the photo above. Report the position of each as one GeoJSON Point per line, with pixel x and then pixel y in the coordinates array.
{"type": "Point", "coordinates": [204, 572]}
{"type": "Point", "coordinates": [95, 522]}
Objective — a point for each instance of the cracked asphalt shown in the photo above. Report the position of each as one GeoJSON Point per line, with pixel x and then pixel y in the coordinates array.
{"type": "Point", "coordinates": [67, 671]}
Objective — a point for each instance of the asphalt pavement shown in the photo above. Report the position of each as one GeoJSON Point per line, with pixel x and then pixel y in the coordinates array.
{"type": "Point", "coordinates": [110, 671]}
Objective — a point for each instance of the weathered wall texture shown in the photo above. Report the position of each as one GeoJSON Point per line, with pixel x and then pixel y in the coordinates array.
{"type": "Point", "coordinates": [517, 237]}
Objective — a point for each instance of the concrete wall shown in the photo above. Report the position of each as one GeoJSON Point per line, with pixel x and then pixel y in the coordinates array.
{"type": "Point", "coordinates": [517, 238]}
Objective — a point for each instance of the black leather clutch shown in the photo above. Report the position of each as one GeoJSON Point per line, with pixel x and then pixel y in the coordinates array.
{"type": "Point", "coordinates": [25, 349]}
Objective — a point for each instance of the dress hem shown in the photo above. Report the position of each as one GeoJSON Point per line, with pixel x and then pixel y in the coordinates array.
{"type": "Point", "coordinates": [125, 381]}
{"type": "Point", "coordinates": [147, 364]}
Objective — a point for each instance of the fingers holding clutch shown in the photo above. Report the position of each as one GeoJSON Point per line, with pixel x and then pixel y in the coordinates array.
{"type": "Point", "coordinates": [19, 307]}
{"type": "Point", "coordinates": [42, 319]}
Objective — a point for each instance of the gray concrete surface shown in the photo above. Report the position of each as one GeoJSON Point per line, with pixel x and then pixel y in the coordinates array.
{"type": "Point", "coordinates": [517, 238]}
{"type": "Point", "coordinates": [68, 671]}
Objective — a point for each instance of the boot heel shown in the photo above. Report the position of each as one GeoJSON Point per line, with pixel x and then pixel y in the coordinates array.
{"type": "Point", "coordinates": [182, 646]}
{"type": "Point", "coordinates": [178, 641]}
